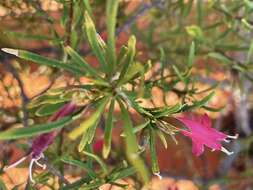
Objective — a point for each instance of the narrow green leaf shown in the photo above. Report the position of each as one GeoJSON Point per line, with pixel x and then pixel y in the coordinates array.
{"type": "Point", "coordinates": [93, 185]}
{"type": "Point", "coordinates": [203, 101]}
{"type": "Point", "coordinates": [132, 145]}
{"type": "Point", "coordinates": [111, 14]}
{"type": "Point", "coordinates": [82, 63]}
{"type": "Point", "coordinates": [94, 43]}
{"type": "Point", "coordinates": [247, 24]}
{"type": "Point", "coordinates": [31, 36]}
{"type": "Point", "coordinates": [35, 129]}
{"type": "Point", "coordinates": [162, 61]}
{"type": "Point", "coordinates": [214, 109]}
{"type": "Point", "coordinates": [89, 121]}
{"type": "Point", "coordinates": [128, 59]}
{"type": "Point", "coordinates": [77, 184]}
{"type": "Point", "coordinates": [178, 73]}
{"type": "Point", "coordinates": [108, 131]}
{"type": "Point", "coordinates": [48, 109]}
{"type": "Point", "coordinates": [84, 141]}
{"type": "Point", "coordinates": [100, 161]}
{"type": "Point", "coordinates": [88, 136]}
{"type": "Point", "coordinates": [43, 60]}
{"type": "Point", "coordinates": [187, 8]}
{"type": "Point", "coordinates": [250, 52]}
{"type": "Point", "coordinates": [200, 16]}
{"type": "Point", "coordinates": [168, 111]}
{"type": "Point", "coordinates": [47, 99]}
{"type": "Point", "coordinates": [87, 7]}
{"type": "Point", "coordinates": [191, 54]}
{"type": "Point", "coordinates": [154, 162]}
{"type": "Point", "coordinates": [138, 128]}
{"type": "Point", "coordinates": [162, 138]}
{"type": "Point", "coordinates": [64, 16]}
{"type": "Point", "coordinates": [220, 57]}
{"type": "Point", "coordinates": [121, 174]}
{"type": "Point", "coordinates": [122, 54]}
{"type": "Point", "coordinates": [200, 103]}
{"type": "Point", "coordinates": [134, 104]}
{"type": "Point", "coordinates": [213, 87]}
{"type": "Point", "coordinates": [81, 165]}
{"type": "Point", "coordinates": [134, 70]}
{"type": "Point", "coordinates": [89, 160]}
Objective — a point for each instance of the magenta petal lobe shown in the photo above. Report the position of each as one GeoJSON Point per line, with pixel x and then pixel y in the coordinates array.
{"type": "Point", "coordinates": [202, 134]}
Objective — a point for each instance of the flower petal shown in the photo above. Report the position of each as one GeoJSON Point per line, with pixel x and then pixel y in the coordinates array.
{"type": "Point", "coordinates": [197, 148]}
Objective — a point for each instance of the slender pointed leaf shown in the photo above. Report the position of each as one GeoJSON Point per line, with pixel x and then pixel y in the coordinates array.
{"type": "Point", "coordinates": [128, 59]}
{"type": "Point", "coordinates": [122, 173]}
{"type": "Point", "coordinates": [154, 162]}
{"type": "Point", "coordinates": [191, 54]}
{"type": "Point", "coordinates": [108, 131]}
{"type": "Point", "coordinates": [100, 161]}
{"type": "Point", "coordinates": [200, 103]}
{"type": "Point", "coordinates": [220, 57]}
{"type": "Point", "coordinates": [87, 7]}
{"type": "Point", "coordinates": [35, 130]}
{"type": "Point", "coordinates": [111, 14]}
{"type": "Point", "coordinates": [138, 128]}
{"type": "Point", "coordinates": [162, 138]}
{"type": "Point", "coordinates": [250, 52]}
{"type": "Point", "coordinates": [82, 63]}
{"type": "Point", "coordinates": [89, 121]}
{"type": "Point", "coordinates": [88, 136]}
{"type": "Point", "coordinates": [48, 109]}
{"type": "Point", "coordinates": [132, 145]}
{"type": "Point", "coordinates": [26, 55]}
{"type": "Point", "coordinates": [93, 41]}
{"type": "Point", "coordinates": [79, 164]}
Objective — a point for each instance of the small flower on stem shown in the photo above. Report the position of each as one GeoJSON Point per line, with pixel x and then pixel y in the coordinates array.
{"type": "Point", "coordinates": [41, 143]}
{"type": "Point", "coordinates": [201, 132]}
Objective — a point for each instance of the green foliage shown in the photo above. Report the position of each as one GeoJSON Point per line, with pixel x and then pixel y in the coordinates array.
{"type": "Point", "coordinates": [34, 130]}
{"type": "Point", "coordinates": [91, 121]}
{"type": "Point", "coordinates": [108, 131]}
{"type": "Point", "coordinates": [119, 80]}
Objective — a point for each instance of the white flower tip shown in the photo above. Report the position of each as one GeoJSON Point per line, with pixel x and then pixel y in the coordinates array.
{"type": "Point", "coordinates": [30, 171]}
{"type": "Point", "coordinates": [43, 166]}
{"type": "Point", "coordinates": [115, 77]}
{"type": "Point", "coordinates": [226, 141]}
{"type": "Point", "coordinates": [233, 136]}
{"type": "Point", "coordinates": [14, 164]}
{"type": "Point", "coordinates": [5, 168]}
{"type": "Point", "coordinates": [10, 51]}
{"type": "Point", "coordinates": [226, 151]}
{"type": "Point", "coordinates": [158, 175]}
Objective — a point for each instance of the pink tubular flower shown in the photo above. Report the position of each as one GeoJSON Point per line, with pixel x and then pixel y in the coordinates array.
{"type": "Point", "coordinates": [41, 143]}
{"type": "Point", "coordinates": [201, 133]}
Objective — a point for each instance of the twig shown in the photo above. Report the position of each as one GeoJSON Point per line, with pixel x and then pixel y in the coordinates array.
{"type": "Point", "coordinates": [25, 99]}
{"type": "Point", "coordinates": [144, 8]}
{"type": "Point", "coordinates": [69, 24]}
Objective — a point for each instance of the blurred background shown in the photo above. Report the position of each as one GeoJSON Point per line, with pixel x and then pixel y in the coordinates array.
{"type": "Point", "coordinates": [165, 29]}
